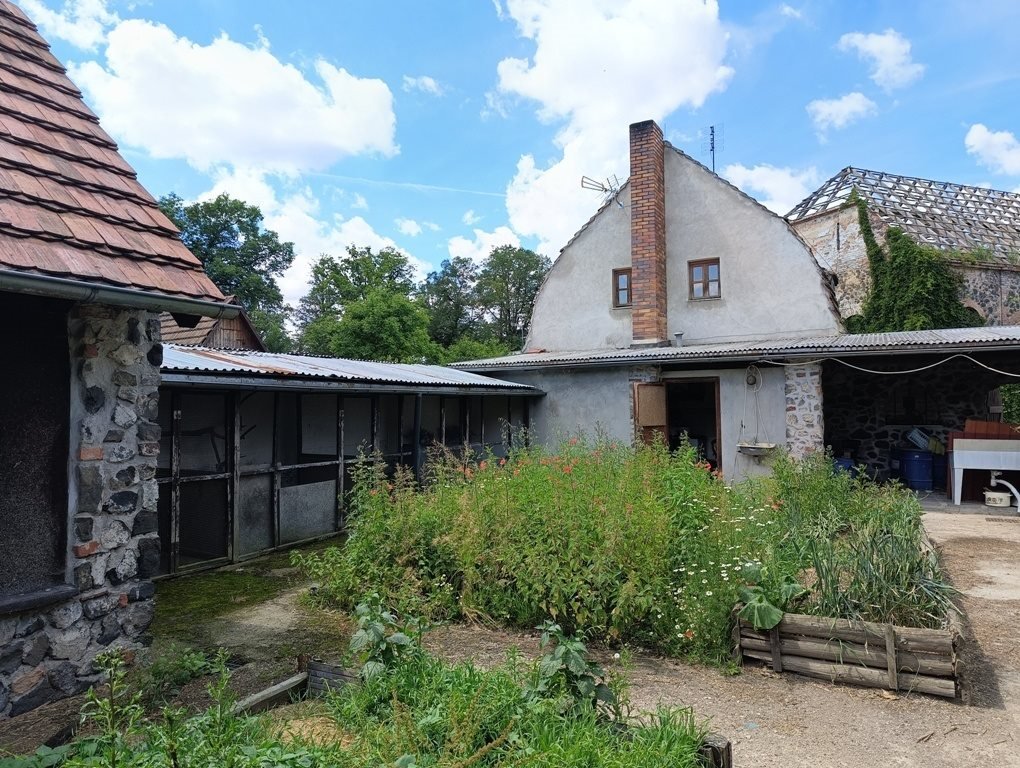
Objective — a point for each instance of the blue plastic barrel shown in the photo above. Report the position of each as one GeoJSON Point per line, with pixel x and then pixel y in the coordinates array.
{"type": "Point", "coordinates": [845, 465]}
{"type": "Point", "coordinates": [916, 467]}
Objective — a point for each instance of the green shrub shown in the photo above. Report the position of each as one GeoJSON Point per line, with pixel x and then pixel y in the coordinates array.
{"type": "Point", "coordinates": [632, 545]}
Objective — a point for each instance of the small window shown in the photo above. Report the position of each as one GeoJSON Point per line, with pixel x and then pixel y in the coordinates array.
{"type": "Point", "coordinates": [621, 287]}
{"type": "Point", "coordinates": [704, 279]}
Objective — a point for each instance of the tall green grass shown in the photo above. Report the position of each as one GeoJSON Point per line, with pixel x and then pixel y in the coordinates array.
{"type": "Point", "coordinates": [627, 544]}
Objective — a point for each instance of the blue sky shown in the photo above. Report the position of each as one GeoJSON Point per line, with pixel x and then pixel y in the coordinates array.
{"type": "Point", "coordinates": [447, 128]}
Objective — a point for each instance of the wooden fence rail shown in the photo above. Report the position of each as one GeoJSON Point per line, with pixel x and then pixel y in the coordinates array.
{"type": "Point", "coordinates": [857, 652]}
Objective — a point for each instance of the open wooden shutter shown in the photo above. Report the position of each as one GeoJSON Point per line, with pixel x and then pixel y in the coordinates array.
{"type": "Point", "coordinates": [650, 417]}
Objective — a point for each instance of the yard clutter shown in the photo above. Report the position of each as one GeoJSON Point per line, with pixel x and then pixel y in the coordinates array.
{"type": "Point", "coordinates": [635, 545]}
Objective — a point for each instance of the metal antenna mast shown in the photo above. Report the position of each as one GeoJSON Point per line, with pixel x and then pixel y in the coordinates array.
{"type": "Point", "coordinates": [714, 142]}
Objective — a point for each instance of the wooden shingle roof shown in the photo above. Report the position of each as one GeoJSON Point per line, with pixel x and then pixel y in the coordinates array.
{"type": "Point", "coordinates": [70, 205]}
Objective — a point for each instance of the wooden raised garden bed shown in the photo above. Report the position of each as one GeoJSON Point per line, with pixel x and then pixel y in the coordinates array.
{"type": "Point", "coordinates": [857, 652]}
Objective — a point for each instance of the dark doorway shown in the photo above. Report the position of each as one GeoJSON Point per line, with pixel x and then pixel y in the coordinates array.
{"type": "Point", "coordinates": [693, 412]}
{"type": "Point", "coordinates": [35, 396]}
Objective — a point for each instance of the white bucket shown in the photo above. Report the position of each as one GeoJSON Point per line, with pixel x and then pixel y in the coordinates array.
{"type": "Point", "coordinates": [996, 498]}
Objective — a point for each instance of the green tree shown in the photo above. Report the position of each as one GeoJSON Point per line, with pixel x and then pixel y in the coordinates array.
{"type": "Point", "coordinates": [507, 284]}
{"type": "Point", "coordinates": [339, 285]}
{"type": "Point", "coordinates": [385, 325]}
{"type": "Point", "coordinates": [449, 298]}
{"type": "Point", "coordinates": [467, 348]}
{"type": "Point", "coordinates": [240, 256]}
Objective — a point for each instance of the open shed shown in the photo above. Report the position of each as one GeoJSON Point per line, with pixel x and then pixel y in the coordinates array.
{"type": "Point", "coordinates": [257, 449]}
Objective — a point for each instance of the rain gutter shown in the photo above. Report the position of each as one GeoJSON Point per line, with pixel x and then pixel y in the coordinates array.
{"type": "Point", "coordinates": [90, 293]}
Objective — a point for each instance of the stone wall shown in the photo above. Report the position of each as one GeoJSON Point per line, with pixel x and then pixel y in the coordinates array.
{"type": "Point", "coordinates": [835, 239]}
{"type": "Point", "coordinates": [47, 653]}
{"type": "Point", "coordinates": [993, 290]}
{"type": "Point", "coordinates": [867, 414]}
{"type": "Point", "coordinates": [805, 429]}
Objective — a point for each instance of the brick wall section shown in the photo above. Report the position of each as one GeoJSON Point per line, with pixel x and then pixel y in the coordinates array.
{"type": "Point", "coordinates": [648, 233]}
{"type": "Point", "coordinates": [48, 653]}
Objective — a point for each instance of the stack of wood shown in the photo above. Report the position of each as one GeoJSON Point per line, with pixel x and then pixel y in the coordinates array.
{"type": "Point", "coordinates": [857, 652]}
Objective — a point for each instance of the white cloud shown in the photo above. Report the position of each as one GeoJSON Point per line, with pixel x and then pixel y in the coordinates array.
{"type": "Point", "coordinates": [478, 248]}
{"type": "Point", "coordinates": [360, 203]}
{"type": "Point", "coordinates": [431, 226]}
{"type": "Point", "coordinates": [889, 56]}
{"type": "Point", "coordinates": [790, 12]}
{"type": "Point", "coordinates": [778, 189]}
{"type": "Point", "coordinates": [408, 227]}
{"type": "Point", "coordinates": [82, 23]}
{"type": "Point", "coordinates": [594, 71]}
{"type": "Point", "coordinates": [424, 83]}
{"type": "Point", "coordinates": [470, 218]}
{"type": "Point", "coordinates": [998, 151]}
{"type": "Point", "coordinates": [227, 103]}
{"type": "Point", "coordinates": [839, 113]}
{"type": "Point", "coordinates": [297, 217]}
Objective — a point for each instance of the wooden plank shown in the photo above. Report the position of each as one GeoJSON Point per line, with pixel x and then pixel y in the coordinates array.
{"type": "Point", "coordinates": [716, 751]}
{"type": "Point", "coordinates": [907, 638]}
{"type": "Point", "coordinates": [775, 650]}
{"type": "Point", "coordinates": [854, 653]}
{"type": "Point", "coordinates": [890, 657]}
{"type": "Point", "coordinates": [870, 678]}
{"type": "Point", "coordinates": [270, 697]}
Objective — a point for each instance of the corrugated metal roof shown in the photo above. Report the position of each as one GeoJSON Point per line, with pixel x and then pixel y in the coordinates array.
{"type": "Point", "coordinates": [230, 363]}
{"type": "Point", "coordinates": [71, 206]}
{"type": "Point", "coordinates": [1003, 337]}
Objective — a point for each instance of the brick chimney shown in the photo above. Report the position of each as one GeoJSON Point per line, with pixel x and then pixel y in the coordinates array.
{"type": "Point", "coordinates": [648, 234]}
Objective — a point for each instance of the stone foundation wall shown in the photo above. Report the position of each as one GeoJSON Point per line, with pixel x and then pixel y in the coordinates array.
{"type": "Point", "coordinates": [867, 414]}
{"type": "Point", "coordinates": [805, 428]}
{"type": "Point", "coordinates": [47, 653]}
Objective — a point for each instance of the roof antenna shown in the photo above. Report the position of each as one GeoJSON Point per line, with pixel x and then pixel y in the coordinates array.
{"type": "Point", "coordinates": [713, 142]}
{"type": "Point", "coordinates": [609, 188]}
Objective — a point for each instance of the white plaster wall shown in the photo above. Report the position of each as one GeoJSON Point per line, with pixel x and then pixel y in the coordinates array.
{"type": "Point", "coordinates": [732, 387]}
{"type": "Point", "coordinates": [574, 309]}
{"type": "Point", "coordinates": [770, 284]}
{"type": "Point", "coordinates": [580, 401]}
{"type": "Point", "coordinates": [599, 400]}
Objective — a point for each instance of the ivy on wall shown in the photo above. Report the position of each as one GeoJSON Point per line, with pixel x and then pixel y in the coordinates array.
{"type": "Point", "coordinates": [913, 287]}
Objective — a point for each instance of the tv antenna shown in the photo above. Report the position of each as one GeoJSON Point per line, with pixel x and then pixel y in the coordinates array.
{"type": "Point", "coordinates": [713, 141]}
{"type": "Point", "coordinates": [608, 188]}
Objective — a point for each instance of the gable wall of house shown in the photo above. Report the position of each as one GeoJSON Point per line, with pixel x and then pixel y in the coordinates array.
{"type": "Point", "coordinates": [574, 308]}
{"type": "Point", "coordinates": [112, 546]}
{"type": "Point", "coordinates": [770, 285]}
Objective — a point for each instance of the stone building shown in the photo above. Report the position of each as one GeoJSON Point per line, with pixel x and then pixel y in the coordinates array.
{"type": "Point", "coordinates": [683, 307]}
{"type": "Point", "coordinates": [87, 261]}
{"type": "Point", "coordinates": [979, 229]}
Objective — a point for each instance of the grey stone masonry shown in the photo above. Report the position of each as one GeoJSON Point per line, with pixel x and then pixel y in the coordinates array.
{"type": "Point", "coordinates": [48, 653]}
{"type": "Point", "coordinates": [805, 428]}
